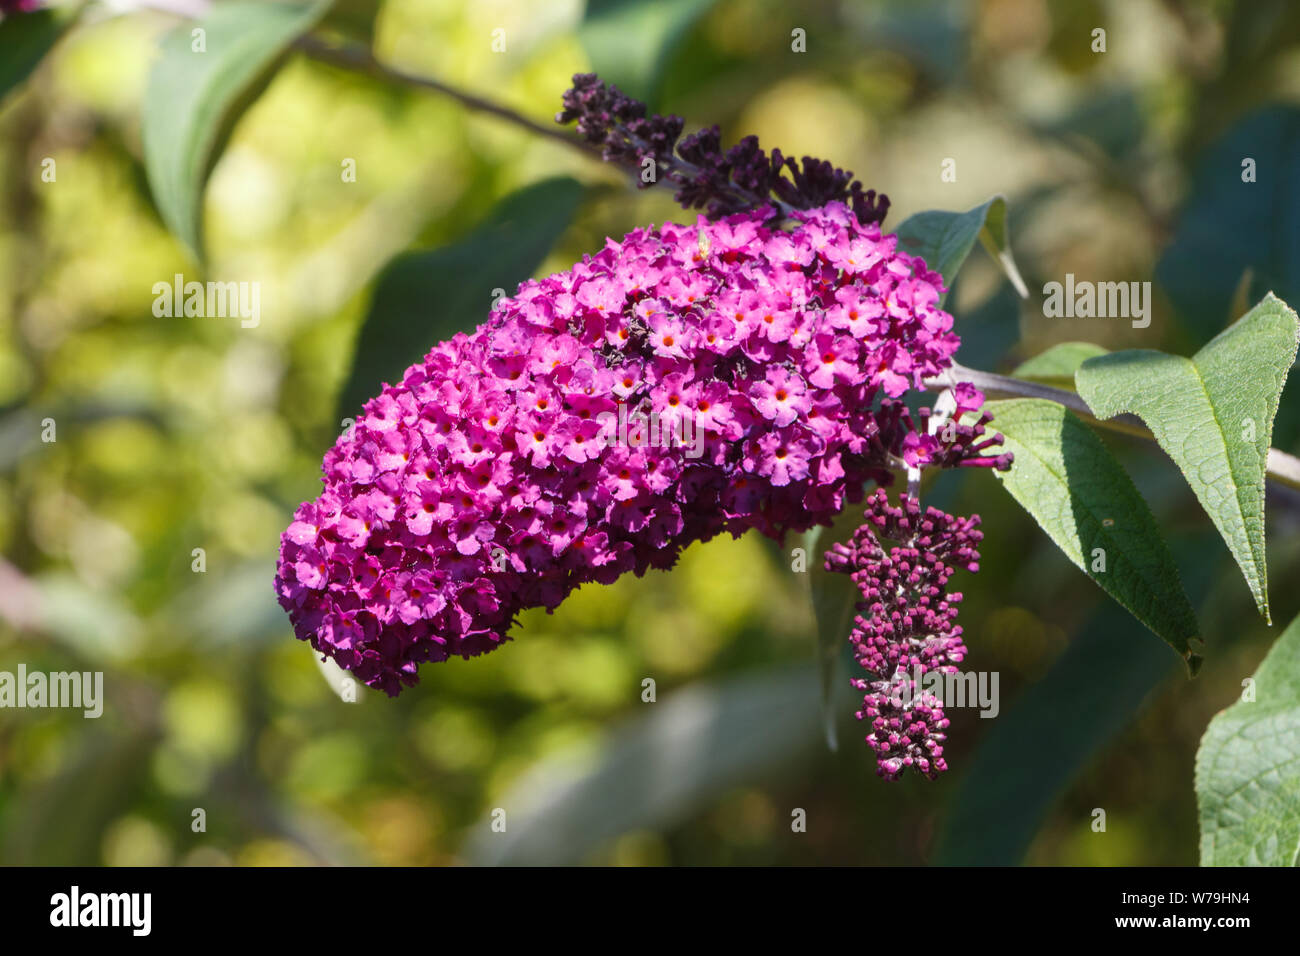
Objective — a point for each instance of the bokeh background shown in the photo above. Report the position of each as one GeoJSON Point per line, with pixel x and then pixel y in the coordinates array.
{"type": "Point", "coordinates": [176, 434]}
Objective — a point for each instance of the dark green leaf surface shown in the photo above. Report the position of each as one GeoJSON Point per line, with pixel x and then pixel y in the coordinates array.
{"type": "Point", "coordinates": [24, 40]}
{"type": "Point", "coordinates": [833, 597]}
{"type": "Point", "coordinates": [1232, 227]}
{"type": "Point", "coordinates": [1071, 484]}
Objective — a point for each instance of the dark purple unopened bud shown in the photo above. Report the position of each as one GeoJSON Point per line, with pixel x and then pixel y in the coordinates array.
{"type": "Point", "coordinates": [721, 182]}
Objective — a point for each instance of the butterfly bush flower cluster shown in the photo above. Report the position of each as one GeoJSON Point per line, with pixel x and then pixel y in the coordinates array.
{"type": "Point", "coordinates": [907, 624]}
{"type": "Point", "coordinates": [782, 331]}
{"type": "Point", "coordinates": [492, 478]}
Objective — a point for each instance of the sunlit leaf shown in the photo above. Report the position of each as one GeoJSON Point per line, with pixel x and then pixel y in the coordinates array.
{"type": "Point", "coordinates": [1248, 768]}
{"type": "Point", "coordinates": [1213, 415]}
{"type": "Point", "coordinates": [194, 97]}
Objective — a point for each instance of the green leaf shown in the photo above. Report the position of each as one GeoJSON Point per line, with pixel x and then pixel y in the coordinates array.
{"type": "Point", "coordinates": [422, 298]}
{"type": "Point", "coordinates": [193, 99]}
{"type": "Point", "coordinates": [630, 42]}
{"type": "Point", "coordinates": [687, 750]}
{"type": "Point", "coordinates": [25, 38]}
{"type": "Point", "coordinates": [1213, 415]}
{"type": "Point", "coordinates": [1071, 484]}
{"type": "Point", "coordinates": [1057, 365]}
{"type": "Point", "coordinates": [1248, 768]}
{"type": "Point", "coordinates": [1090, 693]}
{"type": "Point", "coordinates": [945, 239]}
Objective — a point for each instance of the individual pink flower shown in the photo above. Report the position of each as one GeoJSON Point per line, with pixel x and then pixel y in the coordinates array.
{"type": "Point", "coordinates": [781, 397]}
{"type": "Point", "coordinates": [833, 358]}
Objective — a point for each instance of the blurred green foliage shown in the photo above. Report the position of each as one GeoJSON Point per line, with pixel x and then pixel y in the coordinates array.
{"type": "Point", "coordinates": [177, 434]}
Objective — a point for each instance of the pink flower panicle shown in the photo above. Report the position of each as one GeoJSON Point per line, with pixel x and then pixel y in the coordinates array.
{"type": "Point", "coordinates": [907, 626]}
{"type": "Point", "coordinates": [492, 477]}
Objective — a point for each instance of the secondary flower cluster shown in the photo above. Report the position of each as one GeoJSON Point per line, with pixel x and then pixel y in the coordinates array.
{"type": "Point", "coordinates": [489, 479]}
{"type": "Point", "coordinates": [907, 625]}
{"type": "Point", "coordinates": [708, 178]}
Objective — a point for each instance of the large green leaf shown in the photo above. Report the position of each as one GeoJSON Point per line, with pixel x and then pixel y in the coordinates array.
{"type": "Point", "coordinates": [687, 750]}
{"type": "Point", "coordinates": [1248, 768]}
{"type": "Point", "coordinates": [25, 38]}
{"type": "Point", "coordinates": [1213, 415]}
{"type": "Point", "coordinates": [424, 297]}
{"type": "Point", "coordinates": [630, 42]}
{"type": "Point", "coordinates": [193, 99]}
{"type": "Point", "coordinates": [1071, 484]}
{"type": "Point", "coordinates": [945, 239]}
